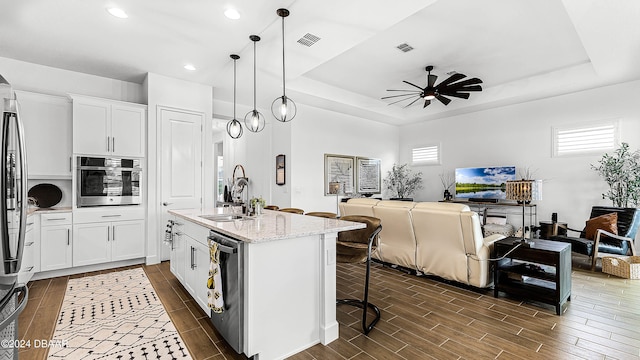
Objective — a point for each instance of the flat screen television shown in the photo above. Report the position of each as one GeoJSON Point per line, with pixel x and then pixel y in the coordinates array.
{"type": "Point", "coordinates": [479, 183]}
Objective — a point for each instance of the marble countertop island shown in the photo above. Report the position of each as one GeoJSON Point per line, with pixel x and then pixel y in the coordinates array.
{"type": "Point", "coordinates": [271, 225]}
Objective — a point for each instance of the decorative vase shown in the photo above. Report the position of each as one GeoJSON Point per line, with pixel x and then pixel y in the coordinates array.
{"type": "Point", "coordinates": [258, 209]}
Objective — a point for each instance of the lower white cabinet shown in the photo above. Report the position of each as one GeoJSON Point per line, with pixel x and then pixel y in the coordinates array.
{"type": "Point", "coordinates": [197, 272]}
{"type": "Point", "coordinates": [189, 260]}
{"type": "Point", "coordinates": [98, 239]}
{"type": "Point", "coordinates": [55, 247]}
{"type": "Point", "coordinates": [31, 253]}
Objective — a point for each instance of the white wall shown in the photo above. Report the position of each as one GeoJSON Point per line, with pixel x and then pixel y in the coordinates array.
{"type": "Point", "coordinates": [315, 132]}
{"type": "Point", "coordinates": [521, 135]}
{"type": "Point", "coordinates": [179, 94]}
{"type": "Point", "coordinates": [48, 80]}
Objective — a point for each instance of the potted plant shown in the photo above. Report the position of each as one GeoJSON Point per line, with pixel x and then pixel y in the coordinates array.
{"type": "Point", "coordinates": [621, 171]}
{"type": "Point", "coordinates": [402, 181]}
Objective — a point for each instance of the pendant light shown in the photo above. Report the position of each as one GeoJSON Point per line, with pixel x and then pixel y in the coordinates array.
{"type": "Point", "coordinates": [254, 120]}
{"type": "Point", "coordinates": [283, 108]}
{"type": "Point", "coordinates": [234, 127]}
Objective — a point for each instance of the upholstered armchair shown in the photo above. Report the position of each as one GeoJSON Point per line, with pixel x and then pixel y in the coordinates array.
{"type": "Point", "coordinates": [610, 230]}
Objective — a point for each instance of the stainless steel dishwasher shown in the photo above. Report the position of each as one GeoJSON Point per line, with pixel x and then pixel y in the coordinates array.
{"type": "Point", "coordinates": [230, 322]}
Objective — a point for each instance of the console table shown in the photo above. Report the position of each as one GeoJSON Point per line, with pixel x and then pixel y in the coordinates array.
{"type": "Point", "coordinates": [509, 207]}
{"type": "Point", "coordinates": [540, 271]}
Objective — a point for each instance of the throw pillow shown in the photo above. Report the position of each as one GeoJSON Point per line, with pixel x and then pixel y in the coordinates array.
{"type": "Point", "coordinates": [606, 222]}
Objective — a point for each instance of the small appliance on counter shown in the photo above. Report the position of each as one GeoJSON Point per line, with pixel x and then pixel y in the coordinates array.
{"type": "Point", "coordinates": [45, 195]}
{"type": "Point", "coordinates": [13, 218]}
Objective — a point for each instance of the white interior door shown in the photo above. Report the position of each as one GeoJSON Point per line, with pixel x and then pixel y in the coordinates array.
{"type": "Point", "coordinates": [181, 163]}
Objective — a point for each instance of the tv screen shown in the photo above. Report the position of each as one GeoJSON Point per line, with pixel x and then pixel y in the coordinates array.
{"type": "Point", "coordinates": [483, 182]}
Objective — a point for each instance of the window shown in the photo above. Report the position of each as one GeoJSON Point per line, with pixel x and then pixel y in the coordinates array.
{"type": "Point", "coordinates": [585, 138]}
{"type": "Point", "coordinates": [427, 155]}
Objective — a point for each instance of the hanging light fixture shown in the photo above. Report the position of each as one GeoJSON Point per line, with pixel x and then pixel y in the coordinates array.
{"type": "Point", "coordinates": [234, 127]}
{"type": "Point", "coordinates": [254, 120]}
{"type": "Point", "coordinates": [283, 108]}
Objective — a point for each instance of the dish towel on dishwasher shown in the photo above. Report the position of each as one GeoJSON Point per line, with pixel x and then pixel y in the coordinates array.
{"type": "Point", "coordinates": [214, 282]}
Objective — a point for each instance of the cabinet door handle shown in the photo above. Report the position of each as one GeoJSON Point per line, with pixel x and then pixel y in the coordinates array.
{"type": "Point", "coordinates": [110, 216]}
{"type": "Point", "coordinates": [179, 233]}
{"type": "Point", "coordinates": [113, 233]}
{"type": "Point", "coordinates": [166, 203]}
{"type": "Point", "coordinates": [192, 264]}
{"type": "Point", "coordinates": [113, 143]}
{"type": "Point", "coordinates": [56, 219]}
{"type": "Point", "coordinates": [68, 237]}
{"type": "Point", "coordinates": [108, 148]}
{"type": "Point", "coordinates": [108, 233]}
{"type": "Point", "coordinates": [70, 163]}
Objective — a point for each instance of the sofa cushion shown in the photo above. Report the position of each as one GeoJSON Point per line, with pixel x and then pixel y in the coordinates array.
{"type": "Point", "coordinates": [606, 222]}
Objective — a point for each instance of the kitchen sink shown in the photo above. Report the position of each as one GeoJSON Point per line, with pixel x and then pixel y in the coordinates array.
{"type": "Point", "coordinates": [224, 217]}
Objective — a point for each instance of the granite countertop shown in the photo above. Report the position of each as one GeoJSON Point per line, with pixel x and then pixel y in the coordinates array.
{"type": "Point", "coordinates": [270, 226]}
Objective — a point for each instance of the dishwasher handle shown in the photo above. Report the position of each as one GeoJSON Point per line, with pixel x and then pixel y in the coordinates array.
{"type": "Point", "coordinates": [224, 248]}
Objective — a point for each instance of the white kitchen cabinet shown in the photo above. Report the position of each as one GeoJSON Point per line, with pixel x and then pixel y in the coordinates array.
{"type": "Point", "coordinates": [197, 271]}
{"type": "Point", "coordinates": [108, 127]}
{"type": "Point", "coordinates": [104, 235]}
{"type": "Point", "coordinates": [177, 261]}
{"type": "Point", "coordinates": [55, 241]}
{"type": "Point", "coordinates": [31, 252]}
{"type": "Point", "coordinates": [47, 125]}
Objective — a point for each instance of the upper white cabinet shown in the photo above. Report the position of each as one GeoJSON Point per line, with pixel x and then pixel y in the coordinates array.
{"type": "Point", "coordinates": [108, 127]}
{"type": "Point", "coordinates": [47, 127]}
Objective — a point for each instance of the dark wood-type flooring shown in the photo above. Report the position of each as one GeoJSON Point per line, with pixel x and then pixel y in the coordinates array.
{"type": "Point", "coordinates": [422, 318]}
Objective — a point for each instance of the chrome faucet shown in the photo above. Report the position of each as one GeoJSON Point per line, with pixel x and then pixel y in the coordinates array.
{"type": "Point", "coordinates": [239, 188]}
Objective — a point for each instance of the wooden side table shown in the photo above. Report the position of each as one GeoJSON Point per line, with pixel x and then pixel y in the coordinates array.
{"type": "Point", "coordinates": [540, 272]}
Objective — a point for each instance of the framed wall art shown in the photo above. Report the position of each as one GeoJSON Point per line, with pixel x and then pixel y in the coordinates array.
{"type": "Point", "coordinates": [339, 168]}
{"type": "Point", "coordinates": [281, 174]}
{"type": "Point", "coordinates": [368, 176]}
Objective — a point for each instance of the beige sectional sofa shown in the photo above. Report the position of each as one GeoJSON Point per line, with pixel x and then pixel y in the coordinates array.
{"type": "Point", "coordinates": [442, 239]}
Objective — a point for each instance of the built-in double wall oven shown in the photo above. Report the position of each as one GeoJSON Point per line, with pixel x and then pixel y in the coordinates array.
{"type": "Point", "coordinates": [108, 181]}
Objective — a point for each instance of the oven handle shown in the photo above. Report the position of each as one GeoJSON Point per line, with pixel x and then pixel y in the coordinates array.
{"type": "Point", "coordinates": [112, 168]}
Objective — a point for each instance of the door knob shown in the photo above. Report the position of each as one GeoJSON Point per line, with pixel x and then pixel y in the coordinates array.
{"type": "Point", "coordinates": [166, 203]}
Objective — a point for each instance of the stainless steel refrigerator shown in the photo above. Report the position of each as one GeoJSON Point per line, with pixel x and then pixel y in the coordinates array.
{"type": "Point", "coordinates": [13, 217]}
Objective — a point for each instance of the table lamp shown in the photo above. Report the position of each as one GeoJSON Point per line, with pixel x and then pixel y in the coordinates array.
{"type": "Point", "coordinates": [334, 188]}
{"type": "Point", "coordinates": [524, 191]}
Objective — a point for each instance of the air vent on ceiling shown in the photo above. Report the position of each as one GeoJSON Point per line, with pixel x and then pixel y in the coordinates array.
{"type": "Point", "coordinates": [308, 39]}
{"type": "Point", "coordinates": [404, 47]}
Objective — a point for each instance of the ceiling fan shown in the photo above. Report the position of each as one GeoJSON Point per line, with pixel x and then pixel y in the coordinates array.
{"type": "Point", "coordinates": [449, 87]}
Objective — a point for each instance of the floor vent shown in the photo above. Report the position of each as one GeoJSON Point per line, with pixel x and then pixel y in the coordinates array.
{"type": "Point", "coordinates": [404, 47]}
{"type": "Point", "coordinates": [308, 39]}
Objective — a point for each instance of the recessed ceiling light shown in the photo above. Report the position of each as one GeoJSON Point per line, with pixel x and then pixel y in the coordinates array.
{"type": "Point", "coordinates": [232, 14]}
{"type": "Point", "coordinates": [190, 67]}
{"type": "Point", "coordinates": [117, 12]}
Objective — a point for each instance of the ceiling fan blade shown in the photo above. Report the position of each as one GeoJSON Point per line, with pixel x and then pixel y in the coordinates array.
{"type": "Point", "coordinates": [393, 96]}
{"type": "Point", "coordinates": [397, 101]}
{"type": "Point", "coordinates": [417, 91]}
{"type": "Point", "coordinates": [431, 80]}
{"type": "Point", "coordinates": [413, 102]}
{"type": "Point", "coordinates": [455, 94]}
{"type": "Point", "coordinates": [406, 82]}
{"type": "Point", "coordinates": [426, 103]}
{"type": "Point", "coordinates": [467, 82]}
{"type": "Point", "coordinates": [470, 88]}
{"type": "Point", "coordinates": [443, 99]}
{"type": "Point", "coordinates": [452, 78]}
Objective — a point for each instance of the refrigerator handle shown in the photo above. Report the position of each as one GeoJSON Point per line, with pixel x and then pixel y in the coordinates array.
{"type": "Point", "coordinates": [14, 315]}
{"type": "Point", "coordinates": [22, 199]}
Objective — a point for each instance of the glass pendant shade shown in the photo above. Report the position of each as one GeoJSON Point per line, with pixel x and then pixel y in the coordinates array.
{"type": "Point", "coordinates": [234, 127]}
{"type": "Point", "coordinates": [254, 120]}
{"type": "Point", "coordinates": [283, 108]}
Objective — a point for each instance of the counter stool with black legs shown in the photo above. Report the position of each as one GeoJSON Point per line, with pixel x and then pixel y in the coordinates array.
{"type": "Point", "coordinates": [355, 246]}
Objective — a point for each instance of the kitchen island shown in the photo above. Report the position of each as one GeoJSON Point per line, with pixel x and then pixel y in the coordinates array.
{"type": "Point", "coordinates": [288, 277]}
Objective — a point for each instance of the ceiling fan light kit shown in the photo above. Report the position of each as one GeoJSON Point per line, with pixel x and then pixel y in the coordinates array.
{"type": "Point", "coordinates": [453, 86]}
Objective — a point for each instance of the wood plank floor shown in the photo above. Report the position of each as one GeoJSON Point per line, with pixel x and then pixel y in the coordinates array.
{"type": "Point", "coordinates": [422, 318]}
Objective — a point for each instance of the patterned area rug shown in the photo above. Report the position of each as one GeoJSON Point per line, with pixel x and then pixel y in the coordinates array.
{"type": "Point", "coordinates": [115, 316]}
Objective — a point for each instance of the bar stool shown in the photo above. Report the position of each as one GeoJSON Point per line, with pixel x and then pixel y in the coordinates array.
{"type": "Point", "coordinates": [292, 210]}
{"type": "Point", "coordinates": [355, 246]}
{"type": "Point", "coordinates": [271, 207]}
{"type": "Point", "coordinates": [328, 215]}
